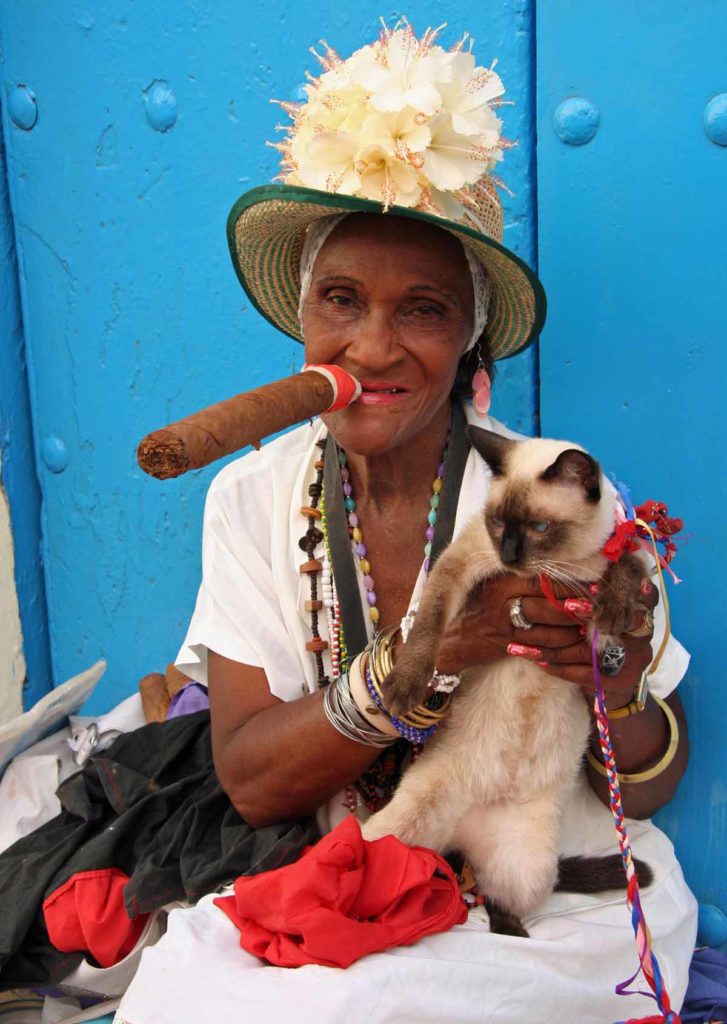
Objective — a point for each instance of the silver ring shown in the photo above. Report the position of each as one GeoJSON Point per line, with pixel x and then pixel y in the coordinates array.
{"type": "Point", "coordinates": [612, 659]}
{"type": "Point", "coordinates": [517, 616]}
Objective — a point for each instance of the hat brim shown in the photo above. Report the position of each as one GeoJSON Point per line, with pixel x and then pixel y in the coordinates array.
{"type": "Point", "coordinates": [266, 228]}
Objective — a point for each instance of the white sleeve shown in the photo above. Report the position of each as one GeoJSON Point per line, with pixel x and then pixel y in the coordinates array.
{"type": "Point", "coordinates": [238, 611]}
{"type": "Point", "coordinates": [674, 661]}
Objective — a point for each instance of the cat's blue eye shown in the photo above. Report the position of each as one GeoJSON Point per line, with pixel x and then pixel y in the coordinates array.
{"type": "Point", "coordinates": [540, 525]}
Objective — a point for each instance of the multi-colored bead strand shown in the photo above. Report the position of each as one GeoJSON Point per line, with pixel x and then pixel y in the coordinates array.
{"type": "Point", "coordinates": [359, 547]}
{"type": "Point", "coordinates": [437, 485]}
{"type": "Point", "coordinates": [313, 567]}
{"type": "Point", "coordinates": [354, 528]}
{"type": "Point", "coordinates": [336, 642]}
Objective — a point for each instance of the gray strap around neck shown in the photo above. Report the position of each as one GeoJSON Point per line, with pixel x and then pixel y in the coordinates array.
{"type": "Point", "coordinates": [344, 567]}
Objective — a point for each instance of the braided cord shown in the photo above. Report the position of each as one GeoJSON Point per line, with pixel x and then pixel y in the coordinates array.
{"type": "Point", "coordinates": [649, 965]}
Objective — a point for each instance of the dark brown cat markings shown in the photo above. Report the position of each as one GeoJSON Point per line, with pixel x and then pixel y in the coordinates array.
{"type": "Point", "coordinates": [494, 780]}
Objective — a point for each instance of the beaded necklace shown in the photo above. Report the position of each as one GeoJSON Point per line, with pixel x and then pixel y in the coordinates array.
{"type": "Point", "coordinates": [376, 783]}
{"type": "Point", "coordinates": [354, 527]}
{"type": "Point", "coordinates": [308, 543]}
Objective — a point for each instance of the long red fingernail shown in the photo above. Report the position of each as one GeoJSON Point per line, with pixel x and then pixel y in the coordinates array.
{"type": "Point", "coordinates": [593, 588]}
{"type": "Point", "coordinates": [521, 651]}
{"type": "Point", "coordinates": [578, 606]}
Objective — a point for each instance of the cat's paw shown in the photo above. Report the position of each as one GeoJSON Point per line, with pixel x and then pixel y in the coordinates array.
{"type": "Point", "coordinates": [613, 615]}
{"type": "Point", "coordinates": [618, 596]}
{"type": "Point", "coordinates": [404, 689]}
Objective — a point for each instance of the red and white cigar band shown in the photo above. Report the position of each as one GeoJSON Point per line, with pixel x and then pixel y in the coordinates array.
{"type": "Point", "coordinates": [346, 388]}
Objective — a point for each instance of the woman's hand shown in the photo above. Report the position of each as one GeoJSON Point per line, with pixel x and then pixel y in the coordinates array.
{"type": "Point", "coordinates": [557, 640]}
{"type": "Point", "coordinates": [575, 663]}
{"type": "Point", "coordinates": [558, 643]}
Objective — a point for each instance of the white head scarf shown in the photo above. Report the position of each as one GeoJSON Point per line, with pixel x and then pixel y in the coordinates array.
{"type": "Point", "coordinates": [319, 231]}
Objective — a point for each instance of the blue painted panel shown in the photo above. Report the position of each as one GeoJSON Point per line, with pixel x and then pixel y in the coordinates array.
{"type": "Point", "coordinates": [149, 120]}
{"type": "Point", "coordinates": [18, 465]}
{"type": "Point", "coordinates": [632, 229]}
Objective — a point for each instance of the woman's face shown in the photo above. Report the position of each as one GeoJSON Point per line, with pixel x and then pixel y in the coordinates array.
{"type": "Point", "coordinates": [391, 302]}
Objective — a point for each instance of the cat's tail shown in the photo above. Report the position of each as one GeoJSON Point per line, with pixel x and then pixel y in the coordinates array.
{"type": "Point", "coordinates": [595, 874]}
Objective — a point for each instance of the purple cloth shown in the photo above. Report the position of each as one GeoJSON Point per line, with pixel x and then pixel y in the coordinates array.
{"type": "Point", "coordinates": [190, 698]}
{"type": "Point", "coordinates": [706, 998]}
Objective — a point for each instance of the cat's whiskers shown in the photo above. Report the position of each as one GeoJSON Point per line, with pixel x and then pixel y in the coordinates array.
{"type": "Point", "coordinates": [556, 571]}
{"type": "Point", "coordinates": [486, 559]}
{"type": "Point", "coordinates": [565, 566]}
{"type": "Point", "coordinates": [575, 565]}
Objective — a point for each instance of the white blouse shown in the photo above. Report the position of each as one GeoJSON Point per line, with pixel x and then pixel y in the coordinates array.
{"type": "Point", "coordinates": [251, 604]}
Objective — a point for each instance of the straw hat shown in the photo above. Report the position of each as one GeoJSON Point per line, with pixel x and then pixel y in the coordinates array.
{"type": "Point", "coordinates": [401, 128]}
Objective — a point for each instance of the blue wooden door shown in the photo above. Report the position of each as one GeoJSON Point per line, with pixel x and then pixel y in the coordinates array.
{"type": "Point", "coordinates": [632, 229]}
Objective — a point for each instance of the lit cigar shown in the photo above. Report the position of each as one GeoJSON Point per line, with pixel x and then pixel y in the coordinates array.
{"type": "Point", "coordinates": [245, 420]}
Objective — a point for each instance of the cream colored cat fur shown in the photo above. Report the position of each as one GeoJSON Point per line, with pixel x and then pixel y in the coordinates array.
{"type": "Point", "coordinates": [493, 781]}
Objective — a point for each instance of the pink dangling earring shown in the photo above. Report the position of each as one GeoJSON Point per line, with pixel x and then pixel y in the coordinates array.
{"type": "Point", "coordinates": [481, 385]}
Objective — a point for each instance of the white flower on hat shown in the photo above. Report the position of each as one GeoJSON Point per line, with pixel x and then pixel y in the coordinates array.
{"type": "Point", "coordinates": [468, 96]}
{"type": "Point", "coordinates": [401, 121]}
{"type": "Point", "coordinates": [402, 72]}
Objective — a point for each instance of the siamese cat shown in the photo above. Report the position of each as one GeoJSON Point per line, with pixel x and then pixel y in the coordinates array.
{"type": "Point", "coordinates": [493, 781]}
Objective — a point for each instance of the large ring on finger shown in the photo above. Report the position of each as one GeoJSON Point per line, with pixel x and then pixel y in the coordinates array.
{"type": "Point", "coordinates": [646, 628]}
{"type": "Point", "coordinates": [612, 659]}
{"type": "Point", "coordinates": [517, 615]}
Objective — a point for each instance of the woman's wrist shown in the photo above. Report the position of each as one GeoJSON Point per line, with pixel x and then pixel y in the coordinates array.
{"type": "Point", "coordinates": [638, 740]}
{"type": "Point", "coordinates": [377, 718]}
{"type": "Point", "coordinates": [650, 771]}
{"type": "Point", "coordinates": [639, 743]}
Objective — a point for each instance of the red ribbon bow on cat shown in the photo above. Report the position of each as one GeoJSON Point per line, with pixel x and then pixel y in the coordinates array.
{"type": "Point", "coordinates": [636, 527]}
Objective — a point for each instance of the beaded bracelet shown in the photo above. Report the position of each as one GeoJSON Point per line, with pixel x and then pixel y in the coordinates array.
{"type": "Point", "coordinates": [409, 732]}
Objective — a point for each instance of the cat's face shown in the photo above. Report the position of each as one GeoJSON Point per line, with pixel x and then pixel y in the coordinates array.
{"type": "Point", "coordinates": [547, 508]}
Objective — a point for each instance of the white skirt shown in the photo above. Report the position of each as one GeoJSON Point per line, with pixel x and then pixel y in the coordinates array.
{"type": "Point", "coordinates": [580, 948]}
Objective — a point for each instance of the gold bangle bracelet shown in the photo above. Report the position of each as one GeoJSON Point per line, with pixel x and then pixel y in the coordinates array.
{"type": "Point", "coordinates": [661, 765]}
{"type": "Point", "coordinates": [379, 661]}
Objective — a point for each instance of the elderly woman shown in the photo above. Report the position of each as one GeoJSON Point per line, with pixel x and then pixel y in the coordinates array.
{"type": "Point", "coordinates": [413, 304]}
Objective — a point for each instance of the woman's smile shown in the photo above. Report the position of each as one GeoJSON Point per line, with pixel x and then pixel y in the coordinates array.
{"type": "Point", "coordinates": [381, 393]}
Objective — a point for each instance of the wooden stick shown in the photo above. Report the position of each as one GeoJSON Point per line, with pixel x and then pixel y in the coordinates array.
{"type": "Point", "coordinates": [155, 700]}
{"type": "Point", "coordinates": [244, 420]}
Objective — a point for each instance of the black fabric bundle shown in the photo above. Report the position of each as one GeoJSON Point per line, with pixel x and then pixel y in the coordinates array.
{"type": "Point", "coordinates": [150, 806]}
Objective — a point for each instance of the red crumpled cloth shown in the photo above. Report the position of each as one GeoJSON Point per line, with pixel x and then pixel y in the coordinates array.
{"type": "Point", "coordinates": [344, 898]}
{"type": "Point", "coordinates": [87, 915]}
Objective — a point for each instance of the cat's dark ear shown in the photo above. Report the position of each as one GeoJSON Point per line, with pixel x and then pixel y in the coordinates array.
{"type": "Point", "coordinates": [492, 447]}
{"type": "Point", "coordinates": [576, 467]}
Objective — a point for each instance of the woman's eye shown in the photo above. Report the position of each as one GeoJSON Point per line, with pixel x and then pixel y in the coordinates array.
{"type": "Point", "coordinates": [340, 300]}
{"type": "Point", "coordinates": [540, 525]}
{"type": "Point", "coordinates": [427, 311]}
